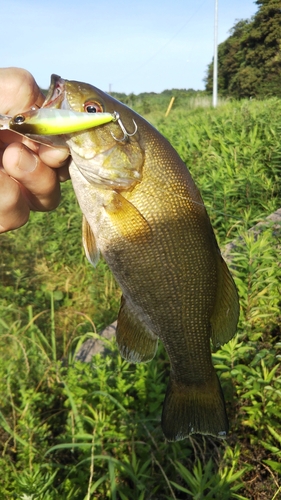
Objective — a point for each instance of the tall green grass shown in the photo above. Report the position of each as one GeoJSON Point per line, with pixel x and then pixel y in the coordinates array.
{"type": "Point", "coordinates": [233, 153]}
{"type": "Point", "coordinates": [92, 431]}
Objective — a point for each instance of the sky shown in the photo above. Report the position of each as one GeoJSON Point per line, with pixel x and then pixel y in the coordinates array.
{"type": "Point", "coordinates": [117, 45]}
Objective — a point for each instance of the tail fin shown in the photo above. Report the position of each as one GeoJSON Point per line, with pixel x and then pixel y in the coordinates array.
{"type": "Point", "coordinates": [194, 408]}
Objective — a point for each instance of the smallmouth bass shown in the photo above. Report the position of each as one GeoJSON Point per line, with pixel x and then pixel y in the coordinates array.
{"type": "Point", "coordinates": [144, 214]}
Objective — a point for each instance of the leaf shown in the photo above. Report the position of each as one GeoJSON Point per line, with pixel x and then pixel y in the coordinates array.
{"type": "Point", "coordinates": [274, 434]}
{"type": "Point", "coordinates": [276, 466]}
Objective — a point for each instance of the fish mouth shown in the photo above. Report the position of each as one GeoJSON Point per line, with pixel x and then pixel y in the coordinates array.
{"type": "Point", "coordinates": [56, 96]}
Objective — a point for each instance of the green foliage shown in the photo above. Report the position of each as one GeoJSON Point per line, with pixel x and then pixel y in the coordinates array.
{"type": "Point", "coordinates": [249, 60]}
{"type": "Point", "coordinates": [151, 104]}
{"type": "Point", "coordinates": [234, 156]}
{"type": "Point", "coordinates": [78, 431]}
{"type": "Point", "coordinates": [204, 483]}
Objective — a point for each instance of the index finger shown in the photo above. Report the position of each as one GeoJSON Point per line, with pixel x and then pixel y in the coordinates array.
{"type": "Point", "coordinates": [18, 91]}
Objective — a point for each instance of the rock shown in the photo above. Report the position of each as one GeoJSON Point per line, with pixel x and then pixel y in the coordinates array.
{"type": "Point", "coordinates": [97, 345]}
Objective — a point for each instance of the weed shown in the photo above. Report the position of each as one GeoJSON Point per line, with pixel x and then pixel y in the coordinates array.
{"type": "Point", "coordinates": [79, 431]}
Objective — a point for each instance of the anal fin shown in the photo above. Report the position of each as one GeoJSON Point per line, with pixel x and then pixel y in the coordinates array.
{"type": "Point", "coordinates": [135, 341]}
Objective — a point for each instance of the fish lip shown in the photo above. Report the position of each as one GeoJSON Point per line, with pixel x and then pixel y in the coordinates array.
{"type": "Point", "coordinates": [56, 96]}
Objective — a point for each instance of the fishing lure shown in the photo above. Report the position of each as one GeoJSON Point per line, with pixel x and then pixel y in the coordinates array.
{"type": "Point", "coordinates": [46, 121]}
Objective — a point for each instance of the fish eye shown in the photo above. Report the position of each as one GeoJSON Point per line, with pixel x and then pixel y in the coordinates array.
{"type": "Point", "coordinates": [93, 107]}
{"type": "Point", "coordinates": [19, 119]}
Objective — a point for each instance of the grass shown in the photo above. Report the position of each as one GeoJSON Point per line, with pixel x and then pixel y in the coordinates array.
{"type": "Point", "coordinates": [80, 431]}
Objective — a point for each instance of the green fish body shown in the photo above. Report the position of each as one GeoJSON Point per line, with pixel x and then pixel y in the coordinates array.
{"type": "Point", "coordinates": [144, 214]}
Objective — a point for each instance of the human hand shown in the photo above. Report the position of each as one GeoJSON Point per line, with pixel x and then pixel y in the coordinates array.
{"type": "Point", "coordinates": [30, 173]}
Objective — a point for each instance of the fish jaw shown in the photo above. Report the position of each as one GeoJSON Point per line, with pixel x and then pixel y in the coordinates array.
{"type": "Point", "coordinates": [67, 94]}
{"type": "Point", "coordinates": [55, 97]}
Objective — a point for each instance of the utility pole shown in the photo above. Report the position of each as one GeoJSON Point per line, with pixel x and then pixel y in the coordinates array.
{"type": "Point", "coordinates": [215, 73]}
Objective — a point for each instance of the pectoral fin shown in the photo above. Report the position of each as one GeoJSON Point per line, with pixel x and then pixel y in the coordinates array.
{"type": "Point", "coordinates": [135, 341]}
{"type": "Point", "coordinates": [226, 313]}
{"type": "Point", "coordinates": [127, 219]}
{"type": "Point", "coordinates": [89, 243]}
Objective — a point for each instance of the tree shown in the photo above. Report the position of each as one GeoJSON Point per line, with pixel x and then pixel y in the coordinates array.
{"type": "Point", "coordinates": [249, 60]}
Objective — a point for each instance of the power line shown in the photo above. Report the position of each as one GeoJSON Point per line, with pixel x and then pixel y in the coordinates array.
{"type": "Point", "coordinates": [164, 45]}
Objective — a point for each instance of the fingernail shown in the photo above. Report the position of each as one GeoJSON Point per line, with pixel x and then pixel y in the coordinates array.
{"type": "Point", "coordinates": [61, 154]}
{"type": "Point", "coordinates": [27, 161]}
{"type": "Point", "coordinates": [64, 156]}
{"type": "Point", "coordinates": [53, 157]}
{"type": "Point", "coordinates": [65, 163]}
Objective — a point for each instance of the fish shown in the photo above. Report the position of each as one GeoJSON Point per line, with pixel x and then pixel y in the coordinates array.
{"type": "Point", "coordinates": [144, 214]}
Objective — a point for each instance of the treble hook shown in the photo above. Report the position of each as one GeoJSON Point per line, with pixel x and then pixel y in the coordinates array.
{"type": "Point", "coordinates": [121, 125]}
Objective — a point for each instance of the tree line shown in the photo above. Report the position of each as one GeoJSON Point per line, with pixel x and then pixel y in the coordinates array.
{"type": "Point", "coordinates": [249, 60]}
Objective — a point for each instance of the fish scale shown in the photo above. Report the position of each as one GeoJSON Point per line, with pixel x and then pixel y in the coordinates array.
{"type": "Point", "coordinates": [145, 215]}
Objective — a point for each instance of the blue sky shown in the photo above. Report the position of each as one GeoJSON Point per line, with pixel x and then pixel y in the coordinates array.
{"type": "Point", "coordinates": [134, 46]}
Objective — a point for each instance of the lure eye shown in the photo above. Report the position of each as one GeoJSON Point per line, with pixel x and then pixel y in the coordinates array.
{"type": "Point", "coordinates": [93, 107]}
{"type": "Point", "coordinates": [19, 119]}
